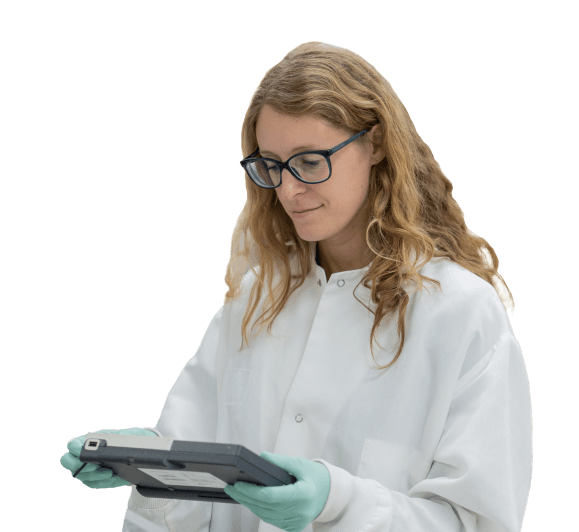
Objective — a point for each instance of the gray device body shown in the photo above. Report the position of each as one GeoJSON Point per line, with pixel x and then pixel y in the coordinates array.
{"type": "Point", "coordinates": [179, 469]}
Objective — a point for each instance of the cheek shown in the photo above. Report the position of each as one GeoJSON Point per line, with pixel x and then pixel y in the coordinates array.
{"type": "Point", "coordinates": [356, 190]}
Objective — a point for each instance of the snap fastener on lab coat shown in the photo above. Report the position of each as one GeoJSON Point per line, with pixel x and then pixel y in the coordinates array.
{"type": "Point", "coordinates": [341, 283]}
{"type": "Point", "coordinates": [299, 418]}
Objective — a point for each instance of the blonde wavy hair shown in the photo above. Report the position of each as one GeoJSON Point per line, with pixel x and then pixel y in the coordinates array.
{"type": "Point", "coordinates": [411, 208]}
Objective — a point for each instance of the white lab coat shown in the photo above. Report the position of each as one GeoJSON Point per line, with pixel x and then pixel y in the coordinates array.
{"type": "Point", "coordinates": [439, 442]}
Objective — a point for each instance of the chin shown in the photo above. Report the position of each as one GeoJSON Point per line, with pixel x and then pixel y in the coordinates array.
{"type": "Point", "coordinates": [311, 235]}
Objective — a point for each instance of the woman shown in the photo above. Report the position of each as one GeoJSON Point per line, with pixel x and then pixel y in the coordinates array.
{"type": "Point", "coordinates": [438, 438]}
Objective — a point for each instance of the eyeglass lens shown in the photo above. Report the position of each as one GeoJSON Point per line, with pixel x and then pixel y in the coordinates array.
{"type": "Point", "coordinates": [311, 167]}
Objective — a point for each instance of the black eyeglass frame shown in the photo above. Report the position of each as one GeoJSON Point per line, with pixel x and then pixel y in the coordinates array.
{"type": "Point", "coordinates": [325, 153]}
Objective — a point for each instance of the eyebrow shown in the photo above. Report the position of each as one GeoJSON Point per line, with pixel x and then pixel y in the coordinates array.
{"type": "Point", "coordinates": [295, 150]}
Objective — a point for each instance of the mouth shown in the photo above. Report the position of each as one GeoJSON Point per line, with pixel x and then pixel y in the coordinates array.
{"type": "Point", "coordinates": [300, 212]}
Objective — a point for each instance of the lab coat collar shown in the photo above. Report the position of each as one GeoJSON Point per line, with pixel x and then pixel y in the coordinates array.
{"type": "Point", "coordinates": [318, 271]}
{"type": "Point", "coordinates": [348, 275]}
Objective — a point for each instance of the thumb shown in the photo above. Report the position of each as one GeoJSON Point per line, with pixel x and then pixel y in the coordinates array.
{"type": "Point", "coordinates": [288, 463]}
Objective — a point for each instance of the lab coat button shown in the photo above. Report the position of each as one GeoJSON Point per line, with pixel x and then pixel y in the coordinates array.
{"type": "Point", "coordinates": [299, 418]}
{"type": "Point", "coordinates": [341, 283]}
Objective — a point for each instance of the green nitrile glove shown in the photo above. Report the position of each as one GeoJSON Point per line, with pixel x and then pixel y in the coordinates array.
{"type": "Point", "coordinates": [92, 475]}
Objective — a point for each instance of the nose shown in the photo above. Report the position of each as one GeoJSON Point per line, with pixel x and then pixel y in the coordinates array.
{"type": "Point", "coordinates": [290, 185]}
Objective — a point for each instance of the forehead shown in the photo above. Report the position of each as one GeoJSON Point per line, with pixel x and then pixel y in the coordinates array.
{"type": "Point", "coordinates": [278, 132]}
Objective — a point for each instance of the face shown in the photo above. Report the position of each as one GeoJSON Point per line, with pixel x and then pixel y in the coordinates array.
{"type": "Point", "coordinates": [341, 218]}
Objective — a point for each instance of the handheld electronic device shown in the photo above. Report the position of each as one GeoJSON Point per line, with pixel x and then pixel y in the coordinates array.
{"type": "Point", "coordinates": [179, 469]}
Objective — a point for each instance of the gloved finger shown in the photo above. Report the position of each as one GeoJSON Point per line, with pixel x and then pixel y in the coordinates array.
{"type": "Point", "coordinates": [113, 482]}
{"type": "Point", "coordinates": [74, 446]}
{"type": "Point", "coordinates": [101, 473]}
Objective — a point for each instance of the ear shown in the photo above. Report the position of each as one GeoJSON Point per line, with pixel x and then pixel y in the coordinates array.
{"type": "Point", "coordinates": [378, 152]}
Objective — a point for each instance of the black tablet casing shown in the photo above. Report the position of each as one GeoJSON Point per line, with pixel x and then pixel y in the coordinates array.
{"type": "Point", "coordinates": [178, 469]}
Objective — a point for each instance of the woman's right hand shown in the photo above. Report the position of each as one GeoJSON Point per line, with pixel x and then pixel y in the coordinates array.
{"type": "Point", "coordinates": [93, 475]}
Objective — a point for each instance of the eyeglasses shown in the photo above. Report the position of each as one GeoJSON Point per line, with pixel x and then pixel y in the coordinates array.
{"type": "Point", "coordinates": [309, 167]}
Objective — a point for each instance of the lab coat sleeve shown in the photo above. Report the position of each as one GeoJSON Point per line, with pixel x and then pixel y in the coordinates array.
{"type": "Point", "coordinates": [189, 413]}
{"type": "Point", "coordinates": [481, 473]}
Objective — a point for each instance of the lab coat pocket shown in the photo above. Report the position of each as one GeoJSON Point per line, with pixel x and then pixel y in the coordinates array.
{"type": "Point", "coordinates": [395, 466]}
{"type": "Point", "coordinates": [235, 384]}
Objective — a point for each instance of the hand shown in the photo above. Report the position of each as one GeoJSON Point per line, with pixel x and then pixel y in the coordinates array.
{"type": "Point", "coordinates": [291, 507]}
{"type": "Point", "coordinates": [92, 475]}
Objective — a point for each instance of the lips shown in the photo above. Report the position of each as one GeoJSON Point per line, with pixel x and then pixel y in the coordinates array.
{"type": "Point", "coordinates": [313, 209]}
